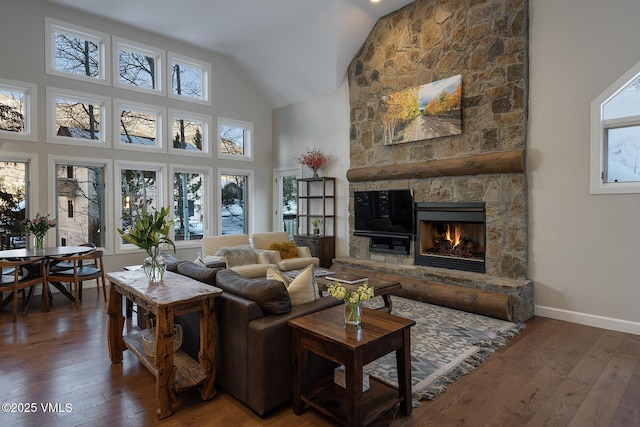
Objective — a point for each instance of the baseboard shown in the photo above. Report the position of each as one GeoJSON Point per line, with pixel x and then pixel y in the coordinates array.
{"type": "Point", "coordinates": [589, 319]}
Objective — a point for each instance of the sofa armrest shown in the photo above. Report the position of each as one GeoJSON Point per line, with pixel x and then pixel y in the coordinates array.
{"type": "Point", "coordinates": [304, 252]}
{"type": "Point", "coordinates": [270, 372]}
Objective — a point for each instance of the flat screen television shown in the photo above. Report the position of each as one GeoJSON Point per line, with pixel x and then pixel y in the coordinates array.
{"type": "Point", "coordinates": [383, 213]}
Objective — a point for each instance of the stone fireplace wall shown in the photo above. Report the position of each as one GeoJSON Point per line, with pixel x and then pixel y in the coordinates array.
{"type": "Point", "coordinates": [486, 42]}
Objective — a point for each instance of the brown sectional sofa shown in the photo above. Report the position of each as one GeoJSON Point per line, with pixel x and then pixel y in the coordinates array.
{"type": "Point", "coordinates": [253, 349]}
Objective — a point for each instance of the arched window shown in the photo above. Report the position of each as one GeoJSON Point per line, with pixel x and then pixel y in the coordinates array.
{"type": "Point", "coordinates": [615, 136]}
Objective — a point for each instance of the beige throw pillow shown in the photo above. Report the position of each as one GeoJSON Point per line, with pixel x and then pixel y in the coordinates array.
{"type": "Point", "coordinates": [302, 289]}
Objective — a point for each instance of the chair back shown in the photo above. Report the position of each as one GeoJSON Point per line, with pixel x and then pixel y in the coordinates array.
{"type": "Point", "coordinates": [212, 244]}
{"type": "Point", "coordinates": [264, 240]}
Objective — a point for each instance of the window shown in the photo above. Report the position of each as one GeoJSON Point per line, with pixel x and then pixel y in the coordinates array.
{"type": "Point", "coordinates": [76, 118]}
{"type": "Point", "coordinates": [234, 139]}
{"type": "Point", "coordinates": [138, 126]}
{"type": "Point", "coordinates": [140, 187]}
{"type": "Point", "coordinates": [18, 107]}
{"type": "Point", "coordinates": [189, 202]}
{"type": "Point", "coordinates": [81, 201]}
{"type": "Point", "coordinates": [189, 79]}
{"type": "Point", "coordinates": [615, 136]}
{"type": "Point", "coordinates": [137, 67]}
{"type": "Point", "coordinates": [13, 203]}
{"type": "Point", "coordinates": [190, 133]}
{"type": "Point", "coordinates": [234, 196]}
{"type": "Point", "coordinates": [76, 52]}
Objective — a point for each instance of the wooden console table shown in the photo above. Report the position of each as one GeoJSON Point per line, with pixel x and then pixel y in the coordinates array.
{"type": "Point", "coordinates": [325, 333]}
{"type": "Point", "coordinates": [174, 295]}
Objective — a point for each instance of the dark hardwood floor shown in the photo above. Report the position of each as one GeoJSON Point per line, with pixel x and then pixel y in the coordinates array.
{"type": "Point", "coordinates": [553, 374]}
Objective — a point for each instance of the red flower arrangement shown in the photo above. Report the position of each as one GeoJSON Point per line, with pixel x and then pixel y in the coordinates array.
{"type": "Point", "coordinates": [314, 159]}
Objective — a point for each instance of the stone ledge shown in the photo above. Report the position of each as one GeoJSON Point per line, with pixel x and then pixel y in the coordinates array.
{"type": "Point", "coordinates": [501, 297]}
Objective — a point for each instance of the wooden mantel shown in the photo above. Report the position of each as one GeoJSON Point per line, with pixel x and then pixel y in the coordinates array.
{"type": "Point", "coordinates": [512, 161]}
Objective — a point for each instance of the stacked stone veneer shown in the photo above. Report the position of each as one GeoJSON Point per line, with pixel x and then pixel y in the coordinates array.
{"type": "Point", "coordinates": [486, 42]}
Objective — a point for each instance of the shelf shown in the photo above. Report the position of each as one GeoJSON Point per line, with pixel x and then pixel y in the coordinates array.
{"type": "Point", "coordinates": [330, 399]}
{"type": "Point", "coordinates": [189, 373]}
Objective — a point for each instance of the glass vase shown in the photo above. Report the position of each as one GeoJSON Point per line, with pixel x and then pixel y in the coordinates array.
{"type": "Point", "coordinates": [315, 172]}
{"type": "Point", "coordinates": [154, 268]}
{"type": "Point", "coordinates": [353, 314]}
{"type": "Point", "coordinates": [38, 241]}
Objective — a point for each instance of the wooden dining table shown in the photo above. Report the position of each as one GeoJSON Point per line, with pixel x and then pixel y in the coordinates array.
{"type": "Point", "coordinates": [47, 253]}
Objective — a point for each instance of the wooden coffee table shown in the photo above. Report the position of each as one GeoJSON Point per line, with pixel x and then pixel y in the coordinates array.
{"type": "Point", "coordinates": [325, 333]}
{"type": "Point", "coordinates": [383, 288]}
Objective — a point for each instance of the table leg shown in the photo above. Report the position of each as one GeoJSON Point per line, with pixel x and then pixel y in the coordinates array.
{"type": "Point", "coordinates": [299, 371]}
{"type": "Point", "coordinates": [115, 325]}
{"type": "Point", "coordinates": [387, 302]}
{"type": "Point", "coordinates": [165, 381]}
{"type": "Point", "coordinates": [403, 364]}
{"type": "Point", "coordinates": [353, 376]}
{"type": "Point", "coordinates": [207, 354]}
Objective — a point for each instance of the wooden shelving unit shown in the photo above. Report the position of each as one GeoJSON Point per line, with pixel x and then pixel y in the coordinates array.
{"type": "Point", "coordinates": [316, 200]}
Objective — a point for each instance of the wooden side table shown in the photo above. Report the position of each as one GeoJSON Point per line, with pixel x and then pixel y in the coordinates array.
{"type": "Point", "coordinates": [325, 333]}
{"type": "Point", "coordinates": [174, 295]}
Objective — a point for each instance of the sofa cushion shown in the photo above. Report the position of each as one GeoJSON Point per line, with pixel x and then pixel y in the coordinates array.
{"type": "Point", "coordinates": [270, 295]}
{"type": "Point", "coordinates": [196, 272]}
{"type": "Point", "coordinates": [302, 289]}
{"type": "Point", "coordinates": [238, 255]}
{"type": "Point", "coordinates": [286, 249]}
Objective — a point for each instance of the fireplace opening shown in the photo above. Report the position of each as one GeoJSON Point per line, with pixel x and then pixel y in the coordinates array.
{"type": "Point", "coordinates": [451, 235]}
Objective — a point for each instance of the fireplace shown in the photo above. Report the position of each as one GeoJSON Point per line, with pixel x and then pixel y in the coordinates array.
{"type": "Point", "coordinates": [451, 235]}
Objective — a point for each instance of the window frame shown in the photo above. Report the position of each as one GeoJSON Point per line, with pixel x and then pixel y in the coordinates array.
{"type": "Point", "coordinates": [160, 113]}
{"type": "Point", "coordinates": [204, 67]}
{"type": "Point", "coordinates": [30, 92]}
{"type": "Point", "coordinates": [248, 140]}
{"type": "Point", "coordinates": [599, 127]}
{"type": "Point", "coordinates": [55, 160]}
{"type": "Point", "coordinates": [119, 166]}
{"type": "Point", "coordinates": [249, 211]}
{"type": "Point", "coordinates": [103, 41]}
{"type": "Point", "coordinates": [158, 54]}
{"type": "Point", "coordinates": [207, 205]}
{"type": "Point", "coordinates": [103, 101]}
{"type": "Point", "coordinates": [206, 133]}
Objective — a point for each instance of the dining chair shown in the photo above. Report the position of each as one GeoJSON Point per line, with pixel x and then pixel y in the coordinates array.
{"type": "Point", "coordinates": [27, 273]}
{"type": "Point", "coordinates": [86, 266]}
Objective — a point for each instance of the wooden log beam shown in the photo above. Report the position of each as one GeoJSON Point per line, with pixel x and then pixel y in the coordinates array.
{"type": "Point", "coordinates": [512, 161]}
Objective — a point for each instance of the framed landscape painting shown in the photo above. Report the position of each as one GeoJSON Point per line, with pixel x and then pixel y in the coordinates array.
{"type": "Point", "coordinates": [432, 110]}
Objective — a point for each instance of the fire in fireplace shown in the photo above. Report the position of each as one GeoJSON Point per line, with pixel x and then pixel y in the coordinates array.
{"type": "Point", "coordinates": [451, 235]}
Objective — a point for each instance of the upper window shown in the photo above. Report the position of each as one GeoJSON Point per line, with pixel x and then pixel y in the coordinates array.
{"type": "Point", "coordinates": [615, 136]}
{"type": "Point", "coordinates": [189, 79]}
{"type": "Point", "coordinates": [189, 133]}
{"type": "Point", "coordinates": [137, 67]}
{"type": "Point", "coordinates": [76, 52]}
{"type": "Point", "coordinates": [18, 106]}
{"type": "Point", "coordinates": [138, 126]}
{"type": "Point", "coordinates": [76, 118]}
{"type": "Point", "coordinates": [234, 139]}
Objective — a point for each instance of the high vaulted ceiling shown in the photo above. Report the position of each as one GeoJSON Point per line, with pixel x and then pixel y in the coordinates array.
{"type": "Point", "coordinates": [292, 49]}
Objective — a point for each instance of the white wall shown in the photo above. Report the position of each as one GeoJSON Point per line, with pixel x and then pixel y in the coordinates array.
{"type": "Point", "coordinates": [22, 38]}
{"type": "Point", "coordinates": [584, 249]}
{"type": "Point", "coordinates": [322, 122]}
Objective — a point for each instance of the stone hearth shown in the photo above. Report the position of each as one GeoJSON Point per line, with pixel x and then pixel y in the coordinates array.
{"type": "Point", "coordinates": [485, 42]}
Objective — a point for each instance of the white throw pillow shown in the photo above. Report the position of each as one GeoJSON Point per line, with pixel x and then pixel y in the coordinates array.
{"type": "Point", "coordinates": [302, 289]}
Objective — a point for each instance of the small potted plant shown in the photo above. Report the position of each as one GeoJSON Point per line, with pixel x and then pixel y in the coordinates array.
{"type": "Point", "coordinates": [352, 300]}
{"type": "Point", "coordinates": [149, 231]}
{"type": "Point", "coordinates": [316, 225]}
